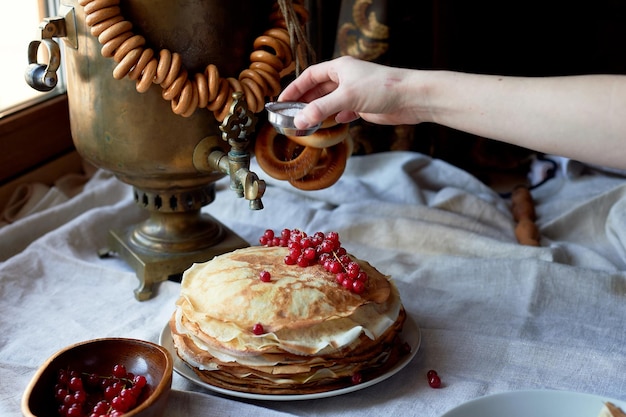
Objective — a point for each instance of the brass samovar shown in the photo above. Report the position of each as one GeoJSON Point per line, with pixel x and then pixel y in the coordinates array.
{"type": "Point", "coordinates": [172, 162]}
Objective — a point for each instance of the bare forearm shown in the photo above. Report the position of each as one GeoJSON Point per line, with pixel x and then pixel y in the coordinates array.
{"type": "Point", "coordinates": [582, 117]}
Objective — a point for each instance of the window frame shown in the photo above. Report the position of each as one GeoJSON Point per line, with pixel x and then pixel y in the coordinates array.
{"type": "Point", "coordinates": [33, 137]}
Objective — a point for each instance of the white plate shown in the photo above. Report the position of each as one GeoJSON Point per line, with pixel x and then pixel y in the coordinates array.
{"type": "Point", "coordinates": [535, 403]}
{"type": "Point", "coordinates": [410, 334]}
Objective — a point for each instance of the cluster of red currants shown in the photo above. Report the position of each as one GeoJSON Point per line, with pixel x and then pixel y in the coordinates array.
{"type": "Point", "coordinates": [80, 394]}
{"type": "Point", "coordinates": [322, 249]}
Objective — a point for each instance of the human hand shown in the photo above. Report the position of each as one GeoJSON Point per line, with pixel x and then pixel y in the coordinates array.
{"type": "Point", "coordinates": [349, 88]}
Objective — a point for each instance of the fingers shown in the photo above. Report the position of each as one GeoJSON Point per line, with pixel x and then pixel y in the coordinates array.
{"type": "Point", "coordinates": [322, 86]}
{"type": "Point", "coordinates": [320, 90]}
{"type": "Point", "coordinates": [310, 80]}
{"type": "Point", "coordinates": [347, 116]}
{"type": "Point", "coordinates": [318, 109]}
{"type": "Point", "coordinates": [312, 114]}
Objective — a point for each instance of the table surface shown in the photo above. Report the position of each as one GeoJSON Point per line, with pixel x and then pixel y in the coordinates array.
{"type": "Point", "coordinates": [494, 316]}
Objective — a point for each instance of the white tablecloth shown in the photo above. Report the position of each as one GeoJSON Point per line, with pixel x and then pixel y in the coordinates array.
{"type": "Point", "coordinates": [494, 316]}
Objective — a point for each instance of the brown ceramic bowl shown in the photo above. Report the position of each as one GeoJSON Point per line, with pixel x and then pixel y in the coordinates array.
{"type": "Point", "coordinates": [99, 356]}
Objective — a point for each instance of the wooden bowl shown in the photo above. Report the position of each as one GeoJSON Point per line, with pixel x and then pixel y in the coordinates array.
{"type": "Point", "coordinates": [99, 356]}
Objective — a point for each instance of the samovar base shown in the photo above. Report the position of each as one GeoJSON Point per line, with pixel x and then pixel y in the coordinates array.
{"type": "Point", "coordinates": [153, 267]}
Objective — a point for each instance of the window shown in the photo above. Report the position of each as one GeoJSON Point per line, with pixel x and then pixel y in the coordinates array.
{"type": "Point", "coordinates": [34, 126]}
{"type": "Point", "coordinates": [15, 35]}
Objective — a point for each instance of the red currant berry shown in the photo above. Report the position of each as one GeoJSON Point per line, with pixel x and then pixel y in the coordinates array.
{"type": "Point", "coordinates": [353, 266]}
{"type": "Point", "coordinates": [60, 394]}
{"type": "Point", "coordinates": [265, 276]}
{"type": "Point", "coordinates": [80, 397]}
{"type": "Point", "coordinates": [129, 397]}
{"type": "Point", "coordinates": [289, 260]}
{"type": "Point", "coordinates": [110, 393]}
{"type": "Point", "coordinates": [434, 381]}
{"type": "Point", "coordinates": [353, 273]}
{"type": "Point", "coordinates": [118, 385]}
{"type": "Point", "coordinates": [63, 377]}
{"type": "Point", "coordinates": [347, 283]}
{"type": "Point", "coordinates": [307, 242]}
{"type": "Point", "coordinates": [302, 261]}
{"type": "Point", "coordinates": [140, 381]}
{"type": "Point", "coordinates": [296, 236]}
{"type": "Point", "coordinates": [258, 329]}
{"type": "Point", "coordinates": [327, 246]}
{"type": "Point", "coordinates": [323, 257]}
{"type": "Point", "coordinates": [76, 384]}
{"type": "Point", "coordinates": [430, 373]}
{"type": "Point", "coordinates": [68, 400]}
{"type": "Point", "coordinates": [101, 407]}
{"type": "Point", "coordinates": [75, 410]}
{"type": "Point", "coordinates": [357, 378]}
{"type": "Point", "coordinates": [335, 267]}
{"type": "Point", "coordinates": [309, 253]}
{"type": "Point", "coordinates": [344, 259]}
{"type": "Point", "coordinates": [119, 404]}
{"type": "Point", "coordinates": [358, 287]}
{"type": "Point", "coordinates": [332, 236]}
{"type": "Point", "coordinates": [295, 252]}
{"type": "Point", "coordinates": [119, 371]}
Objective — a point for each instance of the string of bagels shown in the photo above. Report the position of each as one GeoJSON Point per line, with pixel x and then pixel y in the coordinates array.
{"type": "Point", "coordinates": [308, 163]}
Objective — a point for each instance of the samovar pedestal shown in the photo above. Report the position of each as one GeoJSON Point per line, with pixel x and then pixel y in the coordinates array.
{"type": "Point", "coordinates": [174, 236]}
{"type": "Point", "coordinates": [152, 267]}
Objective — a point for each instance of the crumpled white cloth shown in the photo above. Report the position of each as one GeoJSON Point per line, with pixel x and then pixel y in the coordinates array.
{"type": "Point", "coordinates": [33, 197]}
{"type": "Point", "coordinates": [189, 404]}
{"type": "Point", "coordinates": [494, 316]}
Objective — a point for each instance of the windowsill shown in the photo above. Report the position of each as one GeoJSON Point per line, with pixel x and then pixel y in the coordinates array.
{"type": "Point", "coordinates": [36, 146]}
{"type": "Point", "coordinates": [33, 137]}
{"type": "Point", "coordinates": [70, 163]}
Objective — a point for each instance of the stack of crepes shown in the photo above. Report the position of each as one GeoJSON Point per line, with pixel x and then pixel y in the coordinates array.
{"type": "Point", "coordinates": [316, 335]}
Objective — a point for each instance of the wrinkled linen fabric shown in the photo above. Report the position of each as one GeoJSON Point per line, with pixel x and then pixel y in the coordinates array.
{"type": "Point", "coordinates": [494, 316]}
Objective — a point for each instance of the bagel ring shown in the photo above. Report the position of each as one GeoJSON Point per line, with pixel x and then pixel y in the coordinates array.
{"type": "Point", "coordinates": [331, 165]}
{"type": "Point", "coordinates": [97, 29]}
{"type": "Point", "coordinates": [323, 137]}
{"type": "Point", "coordinates": [329, 122]}
{"type": "Point", "coordinates": [282, 167]}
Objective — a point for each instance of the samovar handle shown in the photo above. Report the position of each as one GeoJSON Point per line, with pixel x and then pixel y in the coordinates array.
{"type": "Point", "coordinates": [43, 76]}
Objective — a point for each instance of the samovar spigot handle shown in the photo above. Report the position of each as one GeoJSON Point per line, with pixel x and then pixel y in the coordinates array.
{"type": "Point", "coordinates": [235, 129]}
